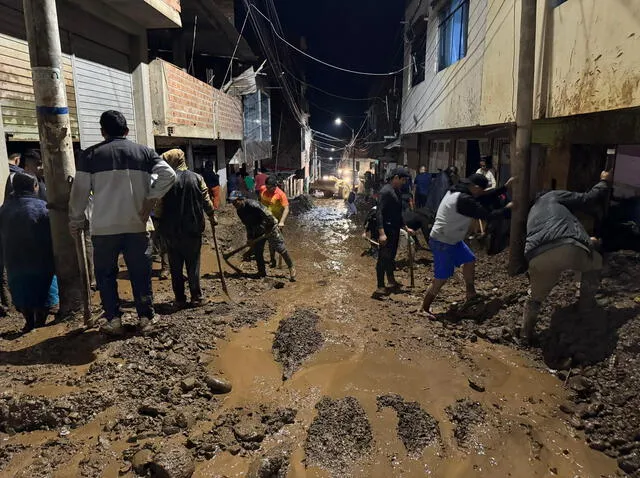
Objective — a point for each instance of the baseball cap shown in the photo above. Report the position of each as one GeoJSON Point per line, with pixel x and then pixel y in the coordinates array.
{"type": "Point", "coordinates": [400, 172]}
{"type": "Point", "coordinates": [477, 180]}
{"type": "Point", "coordinates": [236, 195]}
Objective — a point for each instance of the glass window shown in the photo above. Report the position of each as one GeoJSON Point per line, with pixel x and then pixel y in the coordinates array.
{"type": "Point", "coordinates": [556, 3]}
{"type": "Point", "coordinates": [265, 113]}
{"type": "Point", "coordinates": [252, 121]}
{"type": "Point", "coordinates": [418, 51]}
{"type": "Point", "coordinates": [453, 32]}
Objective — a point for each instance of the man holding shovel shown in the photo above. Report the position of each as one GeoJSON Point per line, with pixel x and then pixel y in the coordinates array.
{"type": "Point", "coordinates": [261, 227]}
{"type": "Point", "coordinates": [181, 217]}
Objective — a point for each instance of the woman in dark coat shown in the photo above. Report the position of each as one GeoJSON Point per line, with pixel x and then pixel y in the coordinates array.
{"type": "Point", "coordinates": [25, 236]}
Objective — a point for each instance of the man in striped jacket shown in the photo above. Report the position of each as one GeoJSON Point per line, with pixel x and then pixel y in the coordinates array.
{"type": "Point", "coordinates": [127, 180]}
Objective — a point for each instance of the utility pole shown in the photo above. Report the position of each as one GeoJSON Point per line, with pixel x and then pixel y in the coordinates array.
{"type": "Point", "coordinates": [41, 19]}
{"type": "Point", "coordinates": [521, 164]}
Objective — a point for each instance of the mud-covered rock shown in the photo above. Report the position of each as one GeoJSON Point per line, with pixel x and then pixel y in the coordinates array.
{"type": "Point", "coordinates": [141, 460]}
{"type": "Point", "coordinates": [218, 385]}
{"type": "Point", "coordinates": [339, 435]}
{"type": "Point", "coordinates": [416, 428]}
{"type": "Point", "coordinates": [174, 462]}
{"type": "Point", "coordinates": [27, 413]}
{"type": "Point", "coordinates": [465, 415]}
{"type": "Point", "coordinates": [297, 337]}
{"type": "Point", "coordinates": [273, 464]}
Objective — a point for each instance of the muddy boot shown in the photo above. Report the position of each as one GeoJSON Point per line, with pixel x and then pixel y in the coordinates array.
{"type": "Point", "coordinates": [529, 321]}
{"type": "Point", "coordinates": [145, 325]}
{"type": "Point", "coordinates": [380, 293]}
{"type": "Point", "coordinates": [113, 327]}
{"type": "Point", "coordinates": [292, 274]}
{"type": "Point", "coordinates": [588, 288]}
{"type": "Point", "coordinates": [272, 263]}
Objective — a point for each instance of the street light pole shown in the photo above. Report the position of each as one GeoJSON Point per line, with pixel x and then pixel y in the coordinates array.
{"type": "Point", "coordinates": [340, 122]}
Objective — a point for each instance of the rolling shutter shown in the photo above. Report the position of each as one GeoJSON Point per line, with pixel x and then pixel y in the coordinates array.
{"type": "Point", "coordinates": [102, 83]}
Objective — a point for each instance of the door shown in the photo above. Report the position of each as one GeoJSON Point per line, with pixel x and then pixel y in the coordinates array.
{"type": "Point", "coordinates": [102, 82]}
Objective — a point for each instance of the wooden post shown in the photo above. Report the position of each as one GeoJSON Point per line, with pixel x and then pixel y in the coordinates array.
{"type": "Point", "coordinates": [41, 19]}
{"type": "Point", "coordinates": [521, 163]}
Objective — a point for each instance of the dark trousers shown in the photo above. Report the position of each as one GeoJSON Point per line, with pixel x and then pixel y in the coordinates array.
{"type": "Point", "coordinates": [35, 317]}
{"type": "Point", "coordinates": [386, 264]}
{"type": "Point", "coordinates": [136, 249]}
{"type": "Point", "coordinates": [185, 252]}
{"type": "Point", "coordinates": [421, 200]}
{"type": "Point", "coordinates": [258, 251]}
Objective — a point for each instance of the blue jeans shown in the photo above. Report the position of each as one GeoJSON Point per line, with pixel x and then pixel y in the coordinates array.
{"type": "Point", "coordinates": [136, 249]}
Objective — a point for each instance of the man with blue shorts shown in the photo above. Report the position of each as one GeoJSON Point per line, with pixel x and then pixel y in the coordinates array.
{"type": "Point", "coordinates": [459, 207]}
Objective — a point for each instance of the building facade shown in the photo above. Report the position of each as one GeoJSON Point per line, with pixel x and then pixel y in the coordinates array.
{"type": "Point", "coordinates": [104, 67]}
{"type": "Point", "coordinates": [459, 92]}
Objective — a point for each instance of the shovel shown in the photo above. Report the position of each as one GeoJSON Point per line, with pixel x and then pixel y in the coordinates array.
{"type": "Point", "coordinates": [220, 271]}
{"type": "Point", "coordinates": [227, 255]}
{"type": "Point", "coordinates": [81, 253]}
{"type": "Point", "coordinates": [411, 268]}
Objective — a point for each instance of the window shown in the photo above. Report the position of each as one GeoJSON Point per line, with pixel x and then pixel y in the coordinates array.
{"type": "Point", "coordinates": [257, 117]}
{"type": "Point", "coordinates": [265, 113]}
{"type": "Point", "coordinates": [418, 51]}
{"type": "Point", "coordinates": [556, 3]}
{"type": "Point", "coordinates": [453, 32]}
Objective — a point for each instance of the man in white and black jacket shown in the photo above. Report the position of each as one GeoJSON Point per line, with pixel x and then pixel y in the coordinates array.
{"type": "Point", "coordinates": [460, 206]}
{"type": "Point", "coordinates": [126, 179]}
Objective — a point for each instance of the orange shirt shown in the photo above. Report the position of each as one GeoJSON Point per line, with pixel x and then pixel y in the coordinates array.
{"type": "Point", "coordinates": [275, 202]}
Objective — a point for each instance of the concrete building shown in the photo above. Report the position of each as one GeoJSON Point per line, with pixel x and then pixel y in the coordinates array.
{"type": "Point", "coordinates": [459, 95]}
{"type": "Point", "coordinates": [105, 67]}
{"type": "Point", "coordinates": [189, 67]}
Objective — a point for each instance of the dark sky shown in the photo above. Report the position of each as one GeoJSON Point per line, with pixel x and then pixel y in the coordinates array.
{"type": "Point", "coordinates": [361, 35]}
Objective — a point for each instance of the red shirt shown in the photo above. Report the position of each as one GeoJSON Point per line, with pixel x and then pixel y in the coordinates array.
{"type": "Point", "coordinates": [261, 179]}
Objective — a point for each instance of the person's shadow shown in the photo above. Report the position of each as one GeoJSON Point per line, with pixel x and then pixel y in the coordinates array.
{"type": "Point", "coordinates": [74, 348]}
{"type": "Point", "coordinates": [583, 339]}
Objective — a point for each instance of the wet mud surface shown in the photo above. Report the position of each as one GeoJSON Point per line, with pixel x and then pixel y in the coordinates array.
{"type": "Point", "coordinates": [296, 339]}
{"type": "Point", "coordinates": [377, 391]}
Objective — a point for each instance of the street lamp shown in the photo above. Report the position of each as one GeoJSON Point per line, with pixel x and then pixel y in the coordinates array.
{"type": "Point", "coordinates": [339, 122]}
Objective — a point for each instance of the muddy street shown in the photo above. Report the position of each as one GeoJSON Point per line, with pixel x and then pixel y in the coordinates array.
{"type": "Point", "coordinates": [317, 379]}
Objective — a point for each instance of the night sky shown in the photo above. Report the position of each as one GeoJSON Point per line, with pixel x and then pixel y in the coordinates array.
{"type": "Point", "coordinates": [361, 35]}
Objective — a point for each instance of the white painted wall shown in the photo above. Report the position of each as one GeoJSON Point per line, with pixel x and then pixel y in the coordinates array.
{"type": "Point", "coordinates": [587, 60]}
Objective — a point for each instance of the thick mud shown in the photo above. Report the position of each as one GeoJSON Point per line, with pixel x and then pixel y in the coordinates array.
{"type": "Point", "coordinates": [396, 395]}
{"type": "Point", "coordinates": [466, 416]}
{"type": "Point", "coordinates": [297, 337]}
{"type": "Point", "coordinates": [416, 428]}
{"type": "Point", "coordinates": [339, 435]}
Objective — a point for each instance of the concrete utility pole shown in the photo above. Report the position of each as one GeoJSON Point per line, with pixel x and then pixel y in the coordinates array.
{"type": "Point", "coordinates": [41, 19]}
{"type": "Point", "coordinates": [521, 164]}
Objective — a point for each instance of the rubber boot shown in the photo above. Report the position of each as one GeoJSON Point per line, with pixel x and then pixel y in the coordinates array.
{"type": "Point", "coordinates": [529, 321]}
{"type": "Point", "coordinates": [588, 288]}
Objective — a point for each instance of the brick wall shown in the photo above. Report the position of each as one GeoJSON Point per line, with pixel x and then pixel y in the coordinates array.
{"type": "Point", "coordinates": [228, 111]}
{"type": "Point", "coordinates": [175, 4]}
{"type": "Point", "coordinates": [191, 103]}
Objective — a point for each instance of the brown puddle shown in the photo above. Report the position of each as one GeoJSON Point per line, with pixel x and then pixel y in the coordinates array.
{"type": "Point", "coordinates": [528, 399]}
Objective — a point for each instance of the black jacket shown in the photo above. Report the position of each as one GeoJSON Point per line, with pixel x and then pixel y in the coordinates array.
{"type": "Point", "coordinates": [389, 212]}
{"type": "Point", "coordinates": [256, 218]}
{"type": "Point", "coordinates": [183, 208]}
{"type": "Point", "coordinates": [552, 223]}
